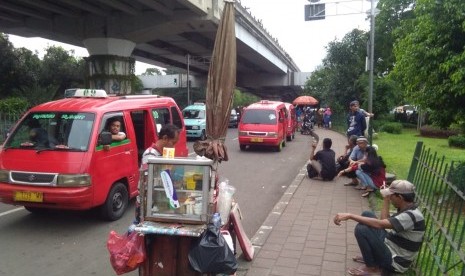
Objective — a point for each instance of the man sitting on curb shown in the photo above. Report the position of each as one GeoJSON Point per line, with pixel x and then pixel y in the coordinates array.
{"type": "Point", "coordinates": [322, 164]}
{"type": "Point", "coordinates": [392, 242]}
{"type": "Point", "coordinates": [356, 158]}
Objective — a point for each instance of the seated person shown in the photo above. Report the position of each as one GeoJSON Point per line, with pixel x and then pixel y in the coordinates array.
{"type": "Point", "coordinates": [115, 130]}
{"type": "Point", "coordinates": [343, 160]}
{"type": "Point", "coordinates": [391, 242]}
{"type": "Point", "coordinates": [39, 137]}
{"type": "Point", "coordinates": [356, 158]}
{"type": "Point", "coordinates": [322, 164]}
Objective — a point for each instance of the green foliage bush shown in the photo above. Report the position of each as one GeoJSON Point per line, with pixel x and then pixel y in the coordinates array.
{"type": "Point", "coordinates": [394, 128]}
{"type": "Point", "coordinates": [409, 125]}
{"type": "Point", "coordinates": [13, 105]}
{"type": "Point", "coordinates": [378, 124]}
{"type": "Point", "coordinates": [431, 131]}
{"type": "Point", "coordinates": [457, 141]}
{"type": "Point", "coordinates": [457, 175]}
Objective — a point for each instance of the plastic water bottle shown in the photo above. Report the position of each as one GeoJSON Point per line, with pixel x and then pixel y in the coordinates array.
{"type": "Point", "coordinates": [216, 220]}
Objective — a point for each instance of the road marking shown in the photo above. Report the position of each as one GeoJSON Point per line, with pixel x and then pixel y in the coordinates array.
{"type": "Point", "coordinates": [11, 211]}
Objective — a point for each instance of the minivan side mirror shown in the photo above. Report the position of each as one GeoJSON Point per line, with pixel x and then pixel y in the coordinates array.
{"type": "Point", "coordinates": [104, 138]}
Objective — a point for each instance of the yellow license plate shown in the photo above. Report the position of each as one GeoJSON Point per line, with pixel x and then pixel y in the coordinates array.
{"type": "Point", "coordinates": [259, 140]}
{"type": "Point", "coordinates": [29, 196]}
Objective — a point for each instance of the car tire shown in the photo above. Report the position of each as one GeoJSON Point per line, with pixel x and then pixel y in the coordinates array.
{"type": "Point", "coordinates": [116, 203]}
{"type": "Point", "coordinates": [36, 210]}
{"type": "Point", "coordinates": [279, 147]}
{"type": "Point", "coordinates": [243, 147]}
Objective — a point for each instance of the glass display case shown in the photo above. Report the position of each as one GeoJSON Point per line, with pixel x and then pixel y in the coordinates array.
{"type": "Point", "coordinates": [177, 190]}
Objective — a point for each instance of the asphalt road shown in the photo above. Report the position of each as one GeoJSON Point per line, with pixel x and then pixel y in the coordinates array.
{"type": "Point", "coordinates": [74, 243]}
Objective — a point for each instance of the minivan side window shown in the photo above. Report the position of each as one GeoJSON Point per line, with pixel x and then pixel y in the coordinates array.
{"type": "Point", "coordinates": [177, 120]}
{"type": "Point", "coordinates": [161, 117]}
{"type": "Point", "coordinates": [109, 118]}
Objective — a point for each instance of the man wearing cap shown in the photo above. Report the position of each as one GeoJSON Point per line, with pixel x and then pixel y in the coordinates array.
{"type": "Point", "coordinates": [392, 242]}
{"type": "Point", "coordinates": [356, 120]}
{"type": "Point", "coordinates": [356, 158]}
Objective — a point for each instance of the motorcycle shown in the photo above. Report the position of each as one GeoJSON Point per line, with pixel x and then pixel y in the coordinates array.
{"type": "Point", "coordinates": [308, 124]}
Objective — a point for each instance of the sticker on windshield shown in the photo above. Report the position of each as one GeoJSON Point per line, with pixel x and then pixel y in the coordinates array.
{"type": "Point", "coordinates": [272, 117]}
{"type": "Point", "coordinates": [73, 116]}
{"type": "Point", "coordinates": [155, 114]}
{"type": "Point", "coordinates": [44, 116]}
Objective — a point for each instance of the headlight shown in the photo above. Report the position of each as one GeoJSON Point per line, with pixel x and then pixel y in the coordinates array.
{"type": "Point", "coordinates": [4, 176]}
{"type": "Point", "coordinates": [243, 133]}
{"type": "Point", "coordinates": [76, 180]}
{"type": "Point", "coordinates": [195, 127]}
{"type": "Point", "coordinates": [272, 134]}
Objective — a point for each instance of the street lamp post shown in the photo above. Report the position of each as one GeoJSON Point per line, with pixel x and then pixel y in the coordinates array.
{"type": "Point", "coordinates": [371, 62]}
{"type": "Point", "coordinates": [188, 77]}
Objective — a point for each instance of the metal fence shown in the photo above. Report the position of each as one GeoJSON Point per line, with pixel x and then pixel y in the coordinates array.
{"type": "Point", "coordinates": [440, 192]}
{"type": "Point", "coordinates": [7, 121]}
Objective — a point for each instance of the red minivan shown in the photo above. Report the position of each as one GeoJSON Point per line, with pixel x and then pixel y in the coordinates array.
{"type": "Point", "coordinates": [263, 123]}
{"type": "Point", "coordinates": [68, 164]}
{"type": "Point", "coordinates": [291, 121]}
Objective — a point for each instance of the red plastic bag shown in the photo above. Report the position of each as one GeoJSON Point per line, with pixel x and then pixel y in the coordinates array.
{"type": "Point", "coordinates": [127, 252]}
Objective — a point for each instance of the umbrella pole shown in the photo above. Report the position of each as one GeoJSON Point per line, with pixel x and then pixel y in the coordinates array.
{"type": "Point", "coordinates": [214, 177]}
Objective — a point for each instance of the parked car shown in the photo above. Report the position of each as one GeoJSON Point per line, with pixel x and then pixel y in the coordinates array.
{"type": "Point", "coordinates": [233, 119]}
{"type": "Point", "coordinates": [195, 119]}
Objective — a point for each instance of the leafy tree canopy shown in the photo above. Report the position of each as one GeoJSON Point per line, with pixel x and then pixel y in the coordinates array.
{"type": "Point", "coordinates": [430, 59]}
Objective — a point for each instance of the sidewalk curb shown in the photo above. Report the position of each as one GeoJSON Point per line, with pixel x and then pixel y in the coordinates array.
{"type": "Point", "coordinates": [262, 234]}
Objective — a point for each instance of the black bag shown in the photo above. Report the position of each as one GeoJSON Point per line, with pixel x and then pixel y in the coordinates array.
{"type": "Point", "coordinates": [312, 173]}
{"type": "Point", "coordinates": [212, 254]}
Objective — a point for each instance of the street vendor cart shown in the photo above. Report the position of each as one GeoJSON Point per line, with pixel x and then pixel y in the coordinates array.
{"type": "Point", "coordinates": [176, 206]}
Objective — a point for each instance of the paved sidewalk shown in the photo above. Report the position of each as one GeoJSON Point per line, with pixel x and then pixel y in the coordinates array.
{"type": "Point", "coordinates": [299, 237]}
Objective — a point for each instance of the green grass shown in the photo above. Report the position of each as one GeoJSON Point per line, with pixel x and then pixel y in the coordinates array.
{"type": "Point", "coordinates": [397, 150]}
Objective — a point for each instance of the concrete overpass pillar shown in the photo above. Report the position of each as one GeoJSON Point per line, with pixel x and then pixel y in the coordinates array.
{"type": "Point", "coordinates": [110, 65]}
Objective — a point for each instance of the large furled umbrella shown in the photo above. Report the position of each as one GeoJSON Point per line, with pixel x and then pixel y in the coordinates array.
{"type": "Point", "coordinates": [305, 100]}
{"type": "Point", "coordinates": [220, 87]}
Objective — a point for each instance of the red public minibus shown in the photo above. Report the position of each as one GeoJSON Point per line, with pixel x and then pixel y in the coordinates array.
{"type": "Point", "coordinates": [67, 166]}
{"type": "Point", "coordinates": [263, 123]}
{"type": "Point", "coordinates": [291, 121]}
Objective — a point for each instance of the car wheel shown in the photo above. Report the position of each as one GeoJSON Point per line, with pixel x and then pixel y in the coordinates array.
{"type": "Point", "coordinates": [116, 203]}
{"type": "Point", "coordinates": [283, 142]}
{"type": "Point", "coordinates": [242, 147]}
{"type": "Point", "coordinates": [36, 210]}
{"type": "Point", "coordinates": [203, 136]}
{"type": "Point", "coordinates": [279, 147]}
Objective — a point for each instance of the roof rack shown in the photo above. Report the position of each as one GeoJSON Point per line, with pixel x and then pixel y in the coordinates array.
{"type": "Point", "coordinates": [140, 96]}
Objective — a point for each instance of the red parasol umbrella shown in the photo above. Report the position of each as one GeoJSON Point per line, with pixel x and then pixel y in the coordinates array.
{"type": "Point", "coordinates": [220, 87]}
{"type": "Point", "coordinates": [305, 100]}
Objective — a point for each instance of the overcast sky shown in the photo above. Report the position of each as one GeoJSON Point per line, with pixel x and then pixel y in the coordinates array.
{"type": "Point", "coordinates": [304, 41]}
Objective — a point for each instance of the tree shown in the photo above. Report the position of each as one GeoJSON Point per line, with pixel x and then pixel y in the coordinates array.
{"type": "Point", "coordinates": [61, 70]}
{"type": "Point", "coordinates": [152, 72]}
{"type": "Point", "coordinates": [430, 60]}
{"type": "Point", "coordinates": [136, 84]}
{"type": "Point", "coordinates": [338, 80]}
{"type": "Point", "coordinates": [10, 69]}
{"type": "Point", "coordinates": [393, 13]}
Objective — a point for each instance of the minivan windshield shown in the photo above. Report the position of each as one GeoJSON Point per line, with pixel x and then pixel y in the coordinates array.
{"type": "Point", "coordinates": [193, 114]}
{"type": "Point", "coordinates": [53, 131]}
{"type": "Point", "coordinates": [259, 116]}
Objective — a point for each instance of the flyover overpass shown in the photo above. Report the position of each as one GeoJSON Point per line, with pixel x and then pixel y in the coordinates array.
{"type": "Point", "coordinates": [165, 33]}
